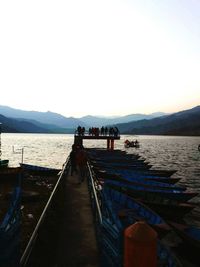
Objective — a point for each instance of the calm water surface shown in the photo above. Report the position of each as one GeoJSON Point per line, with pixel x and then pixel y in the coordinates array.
{"type": "Point", "coordinates": [164, 152]}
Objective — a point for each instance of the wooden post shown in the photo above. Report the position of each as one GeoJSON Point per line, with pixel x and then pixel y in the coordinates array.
{"type": "Point", "coordinates": [112, 144]}
{"type": "Point", "coordinates": [108, 144]}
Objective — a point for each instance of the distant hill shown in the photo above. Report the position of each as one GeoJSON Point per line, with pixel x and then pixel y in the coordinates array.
{"type": "Point", "coordinates": [59, 123]}
{"type": "Point", "coordinates": [185, 122]}
{"type": "Point", "coordinates": [100, 121]}
{"type": "Point", "coordinates": [42, 117]}
{"type": "Point", "coordinates": [17, 126]}
{"type": "Point", "coordinates": [49, 127]}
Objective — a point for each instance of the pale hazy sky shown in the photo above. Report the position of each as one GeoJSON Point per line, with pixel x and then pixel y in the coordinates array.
{"type": "Point", "coordinates": [106, 57]}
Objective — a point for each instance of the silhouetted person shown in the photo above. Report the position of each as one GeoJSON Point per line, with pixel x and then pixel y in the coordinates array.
{"type": "Point", "coordinates": [81, 160]}
{"type": "Point", "coordinates": [106, 130]}
{"type": "Point", "coordinates": [102, 130]}
{"type": "Point", "coordinates": [72, 156]}
{"type": "Point", "coordinates": [79, 130]}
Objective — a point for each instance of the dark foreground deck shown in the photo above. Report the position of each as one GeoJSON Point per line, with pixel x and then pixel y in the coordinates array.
{"type": "Point", "coordinates": [77, 243]}
{"type": "Point", "coordinates": [65, 233]}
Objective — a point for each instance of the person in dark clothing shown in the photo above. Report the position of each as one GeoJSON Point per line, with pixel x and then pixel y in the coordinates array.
{"type": "Point", "coordinates": [72, 156]}
{"type": "Point", "coordinates": [81, 160]}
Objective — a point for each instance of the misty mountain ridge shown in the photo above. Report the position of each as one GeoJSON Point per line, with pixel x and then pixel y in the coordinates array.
{"type": "Point", "coordinates": [42, 117]}
{"type": "Point", "coordinates": [17, 126]}
{"type": "Point", "coordinates": [186, 122]}
{"type": "Point", "coordinates": [60, 121]}
{"type": "Point", "coordinates": [99, 121]}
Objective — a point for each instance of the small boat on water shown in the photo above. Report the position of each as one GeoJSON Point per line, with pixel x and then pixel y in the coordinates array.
{"type": "Point", "coordinates": [121, 211]}
{"type": "Point", "coordinates": [109, 173]}
{"type": "Point", "coordinates": [129, 210]}
{"type": "Point", "coordinates": [165, 207]}
{"type": "Point", "coordinates": [151, 193]}
{"type": "Point", "coordinates": [141, 181]}
{"type": "Point", "coordinates": [4, 163]}
{"type": "Point", "coordinates": [102, 154]}
{"type": "Point", "coordinates": [34, 169]}
{"type": "Point", "coordinates": [136, 170]}
{"type": "Point", "coordinates": [119, 160]}
{"type": "Point", "coordinates": [135, 165]}
{"type": "Point", "coordinates": [138, 175]}
{"type": "Point", "coordinates": [148, 172]}
{"type": "Point", "coordinates": [128, 143]}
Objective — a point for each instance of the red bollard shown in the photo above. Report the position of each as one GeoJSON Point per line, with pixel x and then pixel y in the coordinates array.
{"type": "Point", "coordinates": [140, 246]}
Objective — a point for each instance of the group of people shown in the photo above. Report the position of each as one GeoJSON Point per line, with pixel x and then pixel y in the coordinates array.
{"type": "Point", "coordinates": [78, 160]}
{"type": "Point", "coordinates": [80, 130]}
{"type": "Point", "coordinates": [112, 131]}
{"type": "Point", "coordinates": [95, 131]}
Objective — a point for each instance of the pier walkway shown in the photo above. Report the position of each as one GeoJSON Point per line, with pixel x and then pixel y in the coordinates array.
{"type": "Point", "coordinates": [77, 242]}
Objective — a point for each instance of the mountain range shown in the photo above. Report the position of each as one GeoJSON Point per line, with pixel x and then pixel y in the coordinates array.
{"type": "Point", "coordinates": [54, 122]}
{"type": "Point", "coordinates": [181, 123]}
{"type": "Point", "coordinates": [185, 122]}
{"type": "Point", "coordinates": [98, 121]}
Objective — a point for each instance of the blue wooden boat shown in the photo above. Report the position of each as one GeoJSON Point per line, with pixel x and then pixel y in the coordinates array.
{"type": "Point", "coordinates": [167, 208]}
{"type": "Point", "coordinates": [120, 163]}
{"type": "Point", "coordinates": [10, 232]}
{"type": "Point", "coordinates": [129, 210]}
{"type": "Point", "coordinates": [111, 157]}
{"type": "Point", "coordinates": [134, 166]}
{"type": "Point", "coordinates": [167, 180]}
{"type": "Point", "coordinates": [140, 181]}
{"type": "Point", "coordinates": [117, 160]}
{"type": "Point", "coordinates": [135, 174]}
{"type": "Point", "coordinates": [147, 172]}
{"type": "Point", "coordinates": [34, 169]}
{"type": "Point", "coordinates": [116, 155]}
{"type": "Point", "coordinates": [149, 194]}
{"type": "Point", "coordinates": [162, 173]}
{"type": "Point", "coordinates": [4, 163]}
{"type": "Point", "coordinates": [114, 224]}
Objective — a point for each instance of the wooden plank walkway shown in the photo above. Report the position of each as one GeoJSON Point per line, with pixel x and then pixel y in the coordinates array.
{"type": "Point", "coordinates": [77, 242]}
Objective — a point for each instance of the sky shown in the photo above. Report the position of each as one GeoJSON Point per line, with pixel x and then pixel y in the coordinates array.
{"type": "Point", "coordinates": [106, 57]}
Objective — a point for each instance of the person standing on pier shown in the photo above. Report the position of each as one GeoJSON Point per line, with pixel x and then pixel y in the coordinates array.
{"type": "Point", "coordinates": [72, 156]}
{"type": "Point", "coordinates": [81, 160]}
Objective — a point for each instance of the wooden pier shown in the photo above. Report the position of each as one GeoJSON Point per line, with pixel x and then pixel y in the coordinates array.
{"type": "Point", "coordinates": [78, 139]}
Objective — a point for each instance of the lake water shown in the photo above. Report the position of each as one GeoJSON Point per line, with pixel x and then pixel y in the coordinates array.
{"type": "Point", "coordinates": [164, 152]}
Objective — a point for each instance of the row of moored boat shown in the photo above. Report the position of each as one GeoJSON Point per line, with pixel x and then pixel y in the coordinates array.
{"type": "Point", "coordinates": [130, 191]}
